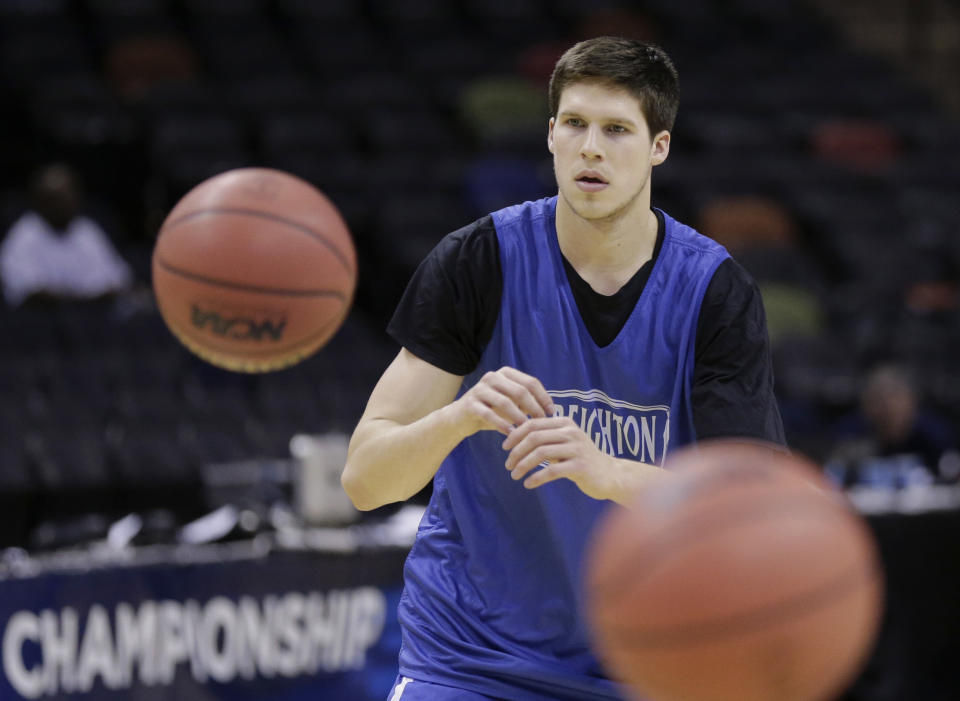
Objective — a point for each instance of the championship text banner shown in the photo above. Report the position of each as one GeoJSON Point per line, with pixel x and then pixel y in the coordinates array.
{"type": "Point", "coordinates": [287, 625]}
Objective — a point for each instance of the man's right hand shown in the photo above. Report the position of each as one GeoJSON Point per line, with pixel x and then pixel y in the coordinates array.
{"type": "Point", "coordinates": [502, 400]}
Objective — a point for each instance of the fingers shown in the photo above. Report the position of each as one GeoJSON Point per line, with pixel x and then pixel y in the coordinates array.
{"type": "Point", "coordinates": [546, 449]}
{"type": "Point", "coordinates": [493, 395]}
{"type": "Point", "coordinates": [538, 441]}
{"type": "Point", "coordinates": [551, 472]}
{"type": "Point", "coordinates": [524, 430]}
{"type": "Point", "coordinates": [494, 420]}
{"type": "Point", "coordinates": [550, 429]}
{"type": "Point", "coordinates": [552, 457]}
{"type": "Point", "coordinates": [506, 398]}
{"type": "Point", "coordinates": [528, 392]}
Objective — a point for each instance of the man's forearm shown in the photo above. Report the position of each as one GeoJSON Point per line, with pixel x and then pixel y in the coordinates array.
{"type": "Point", "coordinates": [389, 462]}
{"type": "Point", "coordinates": [630, 477]}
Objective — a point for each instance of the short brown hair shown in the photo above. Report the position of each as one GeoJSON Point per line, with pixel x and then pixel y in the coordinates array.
{"type": "Point", "coordinates": [642, 69]}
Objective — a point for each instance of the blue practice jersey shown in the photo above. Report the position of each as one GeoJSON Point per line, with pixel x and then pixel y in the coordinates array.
{"type": "Point", "coordinates": [492, 599]}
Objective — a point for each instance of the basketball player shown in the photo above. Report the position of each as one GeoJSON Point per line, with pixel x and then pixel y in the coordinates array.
{"type": "Point", "coordinates": [553, 353]}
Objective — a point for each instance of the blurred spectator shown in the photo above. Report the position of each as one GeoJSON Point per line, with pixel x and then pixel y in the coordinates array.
{"type": "Point", "coordinates": [54, 251]}
{"type": "Point", "coordinates": [761, 233]}
{"type": "Point", "coordinates": [866, 145]}
{"type": "Point", "coordinates": [136, 64]}
{"type": "Point", "coordinates": [892, 441]}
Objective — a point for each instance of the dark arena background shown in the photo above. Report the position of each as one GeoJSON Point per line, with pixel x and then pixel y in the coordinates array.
{"type": "Point", "coordinates": [174, 531]}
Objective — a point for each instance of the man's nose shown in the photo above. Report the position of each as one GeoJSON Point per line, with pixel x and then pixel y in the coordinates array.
{"type": "Point", "coordinates": [590, 148]}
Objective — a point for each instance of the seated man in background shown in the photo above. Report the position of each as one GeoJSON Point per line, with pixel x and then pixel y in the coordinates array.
{"type": "Point", "coordinates": [893, 440]}
{"type": "Point", "coordinates": [53, 251]}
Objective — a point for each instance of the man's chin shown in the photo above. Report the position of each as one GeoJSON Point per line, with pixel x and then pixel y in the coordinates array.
{"type": "Point", "coordinates": [590, 209]}
{"type": "Point", "coordinates": [601, 207]}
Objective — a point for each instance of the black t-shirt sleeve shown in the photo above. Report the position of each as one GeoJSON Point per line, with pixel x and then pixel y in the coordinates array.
{"type": "Point", "coordinates": [450, 307]}
{"type": "Point", "coordinates": [733, 374]}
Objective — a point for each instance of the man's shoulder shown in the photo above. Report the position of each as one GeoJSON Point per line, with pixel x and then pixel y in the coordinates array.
{"type": "Point", "coordinates": [29, 229]}
{"type": "Point", "coordinates": [525, 213]}
{"type": "Point", "coordinates": [478, 235]}
{"type": "Point", "coordinates": [689, 254]}
{"type": "Point", "coordinates": [679, 233]}
{"type": "Point", "coordinates": [29, 221]}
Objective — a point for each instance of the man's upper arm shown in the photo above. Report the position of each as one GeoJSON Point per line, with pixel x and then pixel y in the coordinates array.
{"type": "Point", "coordinates": [733, 391]}
{"type": "Point", "coordinates": [409, 389]}
{"type": "Point", "coordinates": [447, 314]}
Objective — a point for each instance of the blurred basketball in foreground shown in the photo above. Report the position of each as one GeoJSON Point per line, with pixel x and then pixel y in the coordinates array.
{"type": "Point", "coordinates": [254, 269]}
{"type": "Point", "coordinates": [744, 576]}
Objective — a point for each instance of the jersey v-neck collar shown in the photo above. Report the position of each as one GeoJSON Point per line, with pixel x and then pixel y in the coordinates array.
{"type": "Point", "coordinates": [604, 316]}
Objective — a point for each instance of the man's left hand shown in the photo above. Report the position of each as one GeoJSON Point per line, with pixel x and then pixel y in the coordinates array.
{"type": "Point", "coordinates": [568, 453]}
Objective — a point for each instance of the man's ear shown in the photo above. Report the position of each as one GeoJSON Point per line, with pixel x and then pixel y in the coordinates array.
{"type": "Point", "coordinates": [660, 148]}
{"type": "Point", "coordinates": [550, 134]}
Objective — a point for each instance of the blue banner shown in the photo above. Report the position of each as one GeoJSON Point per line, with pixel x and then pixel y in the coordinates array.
{"type": "Point", "coordinates": [281, 626]}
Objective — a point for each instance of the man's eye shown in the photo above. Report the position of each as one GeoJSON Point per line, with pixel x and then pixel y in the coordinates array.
{"type": "Point", "coordinates": [617, 129]}
{"type": "Point", "coordinates": [574, 122]}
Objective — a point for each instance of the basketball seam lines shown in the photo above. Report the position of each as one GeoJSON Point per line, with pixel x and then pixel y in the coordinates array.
{"type": "Point", "coordinates": [746, 621]}
{"type": "Point", "coordinates": [712, 523]}
{"type": "Point", "coordinates": [248, 288]}
{"type": "Point", "coordinates": [250, 354]}
{"type": "Point", "coordinates": [269, 217]}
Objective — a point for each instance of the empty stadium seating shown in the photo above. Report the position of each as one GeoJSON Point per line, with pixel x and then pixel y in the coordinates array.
{"type": "Point", "coordinates": [417, 117]}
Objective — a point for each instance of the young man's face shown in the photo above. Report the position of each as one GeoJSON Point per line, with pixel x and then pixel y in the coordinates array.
{"type": "Point", "coordinates": [603, 150]}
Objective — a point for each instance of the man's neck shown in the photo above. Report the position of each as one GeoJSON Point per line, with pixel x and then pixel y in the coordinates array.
{"type": "Point", "coordinates": [607, 253]}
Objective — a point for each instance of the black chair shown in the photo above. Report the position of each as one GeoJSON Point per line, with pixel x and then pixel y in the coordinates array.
{"type": "Point", "coordinates": [725, 131]}
{"type": "Point", "coordinates": [409, 226]}
{"type": "Point", "coordinates": [449, 62]}
{"type": "Point", "coordinates": [197, 98]}
{"type": "Point", "coordinates": [259, 96]}
{"type": "Point", "coordinates": [363, 93]}
{"type": "Point", "coordinates": [185, 150]}
{"type": "Point", "coordinates": [422, 134]}
{"type": "Point", "coordinates": [77, 118]}
{"type": "Point", "coordinates": [161, 367]}
{"type": "Point", "coordinates": [72, 471]}
{"type": "Point", "coordinates": [820, 371]}
{"type": "Point", "coordinates": [926, 129]}
{"type": "Point", "coordinates": [16, 386]}
{"type": "Point", "coordinates": [298, 404]}
{"type": "Point", "coordinates": [189, 133]}
{"type": "Point", "coordinates": [152, 9]}
{"type": "Point", "coordinates": [245, 48]}
{"type": "Point", "coordinates": [83, 327]}
{"type": "Point", "coordinates": [148, 406]}
{"type": "Point", "coordinates": [42, 10]}
{"type": "Point", "coordinates": [18, 490]}
{"type": "Point", "coordinates": [15, 476]}
{"type": "Point", "coordinates": [214, 395]}
{"type": "Point", "coordinates": [513, 22]}
{"type": "Point", "coordinates": [225, 8]}
{"type": "Point", "coordinates": [927, 168]}
{"type": "Point", "coordinates": [332, 49]}
{"type": "Point", "coordinates": [338, 12]}
{"type": "Point", "coordinates": [416, 20]}
{"type": "Point", "coordinates": [397, 171]}
{"type": "Point", "coordinates": [937, 202]}
{"type": "Point", "coordinates": [154, 471]}
{"type": "Point", "coordinates": [43, 49]}
{"type": "Point", "coordinates": [299, 133]}
{"type": "Point", "coordinates": [28, 330]}
{"type": "Point", "coordinates": [214, 439]}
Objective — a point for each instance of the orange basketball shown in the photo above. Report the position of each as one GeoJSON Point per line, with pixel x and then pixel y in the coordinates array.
{"type": "Point", "coordinates": [254, 270]}
{"type": "Point", "coordinates": [742, 576]}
